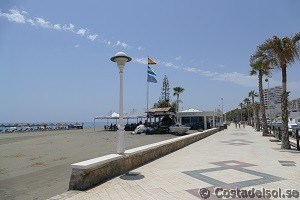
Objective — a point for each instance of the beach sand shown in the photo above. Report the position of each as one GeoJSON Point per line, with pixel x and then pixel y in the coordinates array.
{"type": "Point", "coordinates": [36, 165]}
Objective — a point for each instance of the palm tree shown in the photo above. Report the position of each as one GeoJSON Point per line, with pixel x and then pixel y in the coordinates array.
{"type": "Point", "coordinates": [177, 92]}
{"type": "Point", "coordinates": [260, 66]}
{"type": "Point", "coordinates": [283, 52]}
{"type": "Point", "coordinates": [241, 105]}
{"type": "Point", "coordinates": [256, 107]}
{"type": "Point", "coordinates": [252, 94]}
{"type": "Point", "coordinates": [247, 103]}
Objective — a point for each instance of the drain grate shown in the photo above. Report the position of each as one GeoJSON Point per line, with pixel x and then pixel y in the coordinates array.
{"type": "Point", "coordinates": [132, 176]}
{"type": "Point", "coordinates": [274, 140]}
{"type": "Point", "coordinates": [287, 163]}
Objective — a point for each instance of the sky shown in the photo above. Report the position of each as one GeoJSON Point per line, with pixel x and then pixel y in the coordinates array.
{"type": "Point", "coordinates": [55, 55]}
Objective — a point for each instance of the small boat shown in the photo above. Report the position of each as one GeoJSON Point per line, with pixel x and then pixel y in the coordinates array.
{"type": "Point", "coordinates": [180, 129]}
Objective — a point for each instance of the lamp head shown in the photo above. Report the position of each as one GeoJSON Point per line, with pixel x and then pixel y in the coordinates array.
{"type": "Point", "coordinates": [120, 58]}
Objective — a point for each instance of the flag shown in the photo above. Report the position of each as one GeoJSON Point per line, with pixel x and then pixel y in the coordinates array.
{"type": "Point", "coordinates": [151, 72]}
{"type": "Point", "coordinates": [151, 62]}
{"type": "Point", "coordinates": [151, 79]}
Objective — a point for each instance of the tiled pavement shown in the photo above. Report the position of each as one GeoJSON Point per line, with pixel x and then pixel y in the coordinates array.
{"type": "Point", "coordinates": [234, 158]}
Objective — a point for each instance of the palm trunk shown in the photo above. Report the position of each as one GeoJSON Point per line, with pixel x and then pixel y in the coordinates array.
{"type": "Point", "coordinates": [256, 109]}
{"type": "Point", "coordinates": [262, 104]}
{"type": "Point", "coordinates": [253, 112]}
{"type": "Point", "coordinates": [254, 116]}
{"type": "Point", "coordinates": [177, 102]}
{"type": "Point", "coordinates": [284, 112]}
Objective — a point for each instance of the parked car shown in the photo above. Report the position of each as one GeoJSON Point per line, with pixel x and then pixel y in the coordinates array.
{"type": "Point", "coordinates": [291, 127]}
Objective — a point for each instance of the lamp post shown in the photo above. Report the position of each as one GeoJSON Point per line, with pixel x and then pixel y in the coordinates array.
{"type": "Point", "coordinates": [121, 58]}
{"type": "Point", "coordinates": [222, 111]}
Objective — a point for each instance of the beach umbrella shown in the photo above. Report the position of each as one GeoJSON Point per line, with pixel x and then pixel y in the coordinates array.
{"type": "Point", "coordinates": [114, 115]}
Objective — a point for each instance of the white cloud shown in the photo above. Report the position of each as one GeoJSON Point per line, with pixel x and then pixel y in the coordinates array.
{"type": "Point", "coordinates": [30, 21]}
{"type": "Point", "coordinates": [122, 44]}
{"type": "Point", "coordinates": [208, 73]}
{"type": "Point", "coordinates": [221, 65]}
{"type": "Point", "coordinates": [18, 17]}
{"type": "Point", "coordinates": [141, 60]}
{"type": "Point", "coordinates": [191, 69]}
{"type": "Point", "coordinates": [14, 16]}
{"type": "Point", "coordinates": [43, 23]}
{"type": "Point", "coordinates": [233, 77]}
{"type": "Point", "coordinates": [236, 78]}
{"type": "Point", "coordinates": [178, 58]}
{"type": "Point", "coordinates": [81, 32]}
{"type": "Point", "coordinates": [57, 27]}
{"type": "Point", "coordinates": [92, 37]}
{"type": "Point", "coordinates": [169, 64]}
{"type": "Point", "coordinates": [77, 45]}
{"type": "Point", "coordinates": [107, 42]}
{"type": "Point", "coordinates": [69, 27]}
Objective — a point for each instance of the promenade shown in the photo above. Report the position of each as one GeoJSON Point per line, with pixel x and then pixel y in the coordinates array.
{"type": "Point", "coordinates": [233, 158]}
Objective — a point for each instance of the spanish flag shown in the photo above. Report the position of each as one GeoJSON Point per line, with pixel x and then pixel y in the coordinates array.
{"type": "Point", "coordinates": [151, 62]}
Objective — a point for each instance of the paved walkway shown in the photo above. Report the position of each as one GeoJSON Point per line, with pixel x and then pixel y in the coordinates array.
{"type": "Point", "coordinates": [232, 158]}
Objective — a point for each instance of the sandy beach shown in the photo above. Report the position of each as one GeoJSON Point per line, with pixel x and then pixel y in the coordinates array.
{"type": "Point", "coordinates": [36, 165]}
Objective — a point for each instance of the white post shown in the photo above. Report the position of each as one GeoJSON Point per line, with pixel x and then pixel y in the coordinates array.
{"type": "Point", "coordinates": [205, 122]}
{"type": "Point", "coordinates": [121, 145]}
{"type": "Point", "coordinates": [222, 112]}
{"type": "Point", "coordinates": [94, 124]}
{"type": "Point", "coordinates": [120, 58]}
{"type": "Point", "coordinates": [214, 121]}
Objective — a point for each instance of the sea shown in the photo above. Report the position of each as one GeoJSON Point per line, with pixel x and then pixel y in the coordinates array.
{"type": "Point", "coordinates": [98, 124]}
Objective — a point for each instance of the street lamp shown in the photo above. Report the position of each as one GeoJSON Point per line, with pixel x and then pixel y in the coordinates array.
{"type": "Point", "coordinates": [121, 58]}
{"type": "Point", "coordinates": [222, 111]}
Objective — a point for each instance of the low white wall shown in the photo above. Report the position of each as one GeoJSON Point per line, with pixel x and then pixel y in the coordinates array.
{"type": "Point", "coordinates": [92, 172]}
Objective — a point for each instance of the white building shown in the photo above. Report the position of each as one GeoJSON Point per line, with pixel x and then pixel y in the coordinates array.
{"type": "Point", "coordinates": [272, 97]}
{"type": "Point", "coordinates": [199, 119]}
{"type": "Point", "coordinates": [293, 108]}
{"type": "Point", "coordinates": [294, 105]}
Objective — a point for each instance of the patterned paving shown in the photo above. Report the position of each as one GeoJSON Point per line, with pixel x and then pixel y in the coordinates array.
{"type": "Point", "coordinates": [237, 142]}
{"type": "Point", "coordinates": [239, 171]}
{"type": "Point", "coordinates": [234, 158]}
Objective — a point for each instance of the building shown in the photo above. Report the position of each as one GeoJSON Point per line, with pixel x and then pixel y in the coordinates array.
{"type": "Point", "coordinates": [294, 105]}
{"type": "Point", "coordinates": [272, 96]}
{"type": "Point", "coordinates": [197, 119]}
{"type": "Point", "coordinates": [293, 110]}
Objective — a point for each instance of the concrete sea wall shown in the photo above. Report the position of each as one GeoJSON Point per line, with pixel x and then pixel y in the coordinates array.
{"type": "Point", "coordinates": [92, 172]}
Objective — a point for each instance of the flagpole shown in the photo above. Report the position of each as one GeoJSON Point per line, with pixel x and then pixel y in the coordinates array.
{"type": "Point", "coordinates": [147, 100]}
{"type": "Point", "coordinates": [147, 95]}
